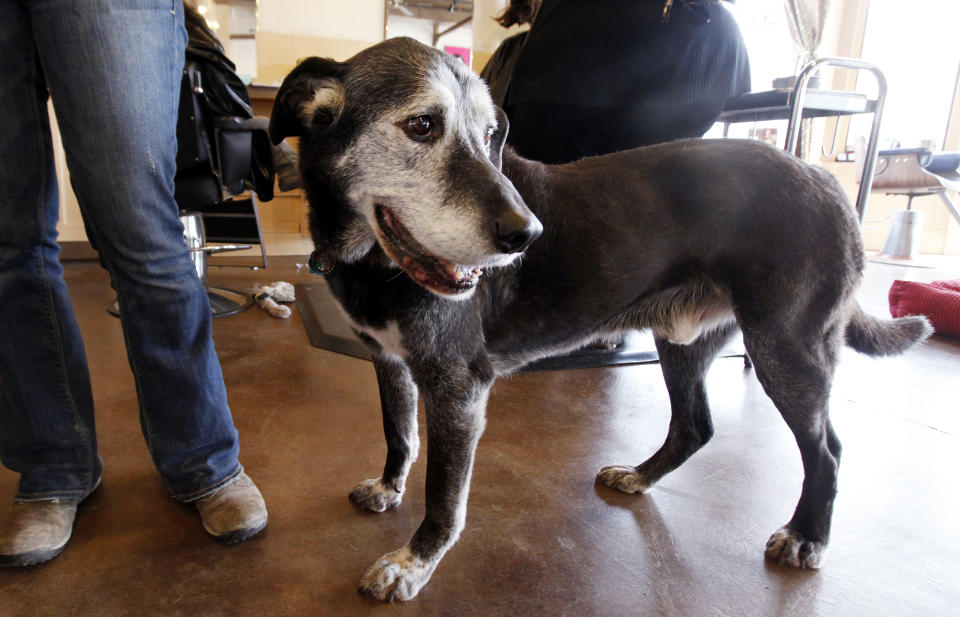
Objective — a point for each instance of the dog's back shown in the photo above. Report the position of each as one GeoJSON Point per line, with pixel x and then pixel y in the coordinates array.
{"type": "Point", "coordinates": [734, 226]}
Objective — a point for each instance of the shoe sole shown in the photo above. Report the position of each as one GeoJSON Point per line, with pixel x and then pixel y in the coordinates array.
{"type": "Point", "coordinates": [32, 558]}
{"type": "Point", "coordinates": [238, 535]}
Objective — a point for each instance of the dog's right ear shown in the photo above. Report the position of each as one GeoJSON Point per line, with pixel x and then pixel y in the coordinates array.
{"type": "Point", "coordinates": [311, 95]}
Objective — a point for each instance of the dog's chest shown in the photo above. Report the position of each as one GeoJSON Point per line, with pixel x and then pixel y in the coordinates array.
{"type": "Point", "coordinates": [389, 337]}
{"type": "Point", "coordinates": [371, 302]}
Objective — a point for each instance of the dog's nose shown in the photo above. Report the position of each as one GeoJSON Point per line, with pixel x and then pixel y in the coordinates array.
{"type": "Point", "coordinates": [513, 232]}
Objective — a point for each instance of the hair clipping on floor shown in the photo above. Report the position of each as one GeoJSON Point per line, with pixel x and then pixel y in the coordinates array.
{"type": "Point", "coordinates": [270, 296]}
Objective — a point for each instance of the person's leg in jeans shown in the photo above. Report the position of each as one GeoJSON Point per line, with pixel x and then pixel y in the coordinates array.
{"type": "Point", "coordinates": [113, 71]}
{"type": "Point", "coordinates": [114, 76]}
{"type": "Point", "coordinates": [46, 406]}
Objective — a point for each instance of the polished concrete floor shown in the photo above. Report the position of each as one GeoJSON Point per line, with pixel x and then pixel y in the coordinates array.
{"type": "Point", "coordinates": [541, 539]}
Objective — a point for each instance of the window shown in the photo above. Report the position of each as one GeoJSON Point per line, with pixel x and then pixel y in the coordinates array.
{"type": "Point", "coordinates": [767, 37]}
{"type": "Point", "coordinates": [915, 45]}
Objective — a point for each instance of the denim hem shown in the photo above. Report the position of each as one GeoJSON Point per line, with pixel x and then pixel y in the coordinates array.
{"type": "Point", "coordinates": [73, 495]}
{"type": "Point", "coordinates": [200, 494]}
{"type": "Point", "coordinates": [52, 496]}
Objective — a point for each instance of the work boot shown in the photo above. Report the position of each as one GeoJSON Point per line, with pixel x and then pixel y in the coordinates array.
{"type": "Point", "coordinates": [234, 512]}
{"type": "Point", "coordinates": [37, 531]}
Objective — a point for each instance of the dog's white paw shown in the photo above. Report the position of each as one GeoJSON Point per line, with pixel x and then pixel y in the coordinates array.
{"type": "Point", "coordinates": [396, 576]}
{"type": "Point", "coordinates": [622, 478]}
{"type": "Point", "coordinates": [375, 496]}
{"type": "Point", "coordinates": [787, 547]}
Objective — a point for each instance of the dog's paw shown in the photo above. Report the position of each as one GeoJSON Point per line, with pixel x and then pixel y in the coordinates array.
{"type": "Point", "coordinates": [788, 547]}
{"type": "Point", "coordinates": [396, 576]}
{"type": "Point", "coordinates": [622, 478]}
{"type": "Point", "coordinates": [375, 496]}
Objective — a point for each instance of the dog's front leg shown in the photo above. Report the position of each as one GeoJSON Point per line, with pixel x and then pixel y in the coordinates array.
{"type": "Point", "coordinates": [455, 411]}
{"type": "Point", "coordinates": [398, 402]}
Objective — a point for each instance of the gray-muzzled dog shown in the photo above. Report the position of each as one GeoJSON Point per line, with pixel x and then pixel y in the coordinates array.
{"type": "Point", "coordinates": [508, 260]}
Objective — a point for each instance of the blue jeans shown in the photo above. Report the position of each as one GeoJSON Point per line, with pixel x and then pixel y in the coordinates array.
{"type": "Point", "coordinates": [112, 69]}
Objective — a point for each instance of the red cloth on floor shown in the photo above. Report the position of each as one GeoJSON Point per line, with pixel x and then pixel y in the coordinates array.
{"type": "Point", "coordinates": [954, 285]}
{"type": "Point", "coordinates": [938, 300]}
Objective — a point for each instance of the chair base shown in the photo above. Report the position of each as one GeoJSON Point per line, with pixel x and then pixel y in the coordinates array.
{"type": "Point", "coordinates": [223, 302]}
{"type": "Point", "coordinates": [904, 238]}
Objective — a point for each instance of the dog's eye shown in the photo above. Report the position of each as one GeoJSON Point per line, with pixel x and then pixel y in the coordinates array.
{"type": "Point", "coordinates": [419, 128]}
{"type": "Point", "coordinates": [489, 134]}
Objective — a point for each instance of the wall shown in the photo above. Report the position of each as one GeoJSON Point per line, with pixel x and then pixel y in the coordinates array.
{"type": "Point", "coordinates": [487, 33]}
{"type": "Point", "coordinates": [293, 29]}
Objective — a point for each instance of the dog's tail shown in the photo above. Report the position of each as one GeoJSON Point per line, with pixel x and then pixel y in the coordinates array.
{"type": "Point", "coordinates": [885, 337]}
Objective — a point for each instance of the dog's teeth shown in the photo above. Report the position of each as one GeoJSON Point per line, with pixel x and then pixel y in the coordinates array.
{"type": "Point", "coordinates": [460, 273]}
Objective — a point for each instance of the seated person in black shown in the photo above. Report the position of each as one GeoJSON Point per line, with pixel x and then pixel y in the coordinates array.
{"type": "Point", "coordinates": [599, 76]}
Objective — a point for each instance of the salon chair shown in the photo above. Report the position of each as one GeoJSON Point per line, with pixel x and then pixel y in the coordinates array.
{"type": "Point", "coordinates": [914, 172]}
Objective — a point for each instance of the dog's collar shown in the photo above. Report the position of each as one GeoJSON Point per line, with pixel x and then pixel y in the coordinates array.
{"type": "Point", "coordinates": [321, 263]}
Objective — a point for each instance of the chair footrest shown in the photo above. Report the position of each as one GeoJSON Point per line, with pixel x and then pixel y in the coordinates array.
{"type": "Point", "coordinates": [220, 248]}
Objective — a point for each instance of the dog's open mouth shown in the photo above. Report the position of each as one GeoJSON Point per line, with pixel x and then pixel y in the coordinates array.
{"type": "Point", "coordinates": [431, 271]}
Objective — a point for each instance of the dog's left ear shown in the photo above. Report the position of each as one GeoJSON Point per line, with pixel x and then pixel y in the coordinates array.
{"type": "Point", "coordinates": [311, 95]}
{"type": "Point", "coordinates": [499, 138]}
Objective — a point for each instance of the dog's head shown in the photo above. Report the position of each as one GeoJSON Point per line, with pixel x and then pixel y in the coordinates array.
{"type": "Point", "coordinates": [401, 146]}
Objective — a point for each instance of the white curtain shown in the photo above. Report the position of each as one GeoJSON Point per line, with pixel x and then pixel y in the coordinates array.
{"type": "Point", "coordinates": [806, 19]}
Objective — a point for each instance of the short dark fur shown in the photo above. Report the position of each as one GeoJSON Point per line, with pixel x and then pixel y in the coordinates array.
{"type": "Point", "coordinates": [631, 240]}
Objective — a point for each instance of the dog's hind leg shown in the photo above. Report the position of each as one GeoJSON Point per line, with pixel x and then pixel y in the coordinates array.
{"type": "Point", "coordinates": [398, 402]}
{"type": "Point", "coordinates": [455, 399]}
{"type": "Point", "coordinates": [684, 368]}
{"type": "Point", "coordinates": [797, 374]}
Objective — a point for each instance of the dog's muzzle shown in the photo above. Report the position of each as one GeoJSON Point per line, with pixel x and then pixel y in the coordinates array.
{"type": "Point", "coordinates": [432, 271]}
